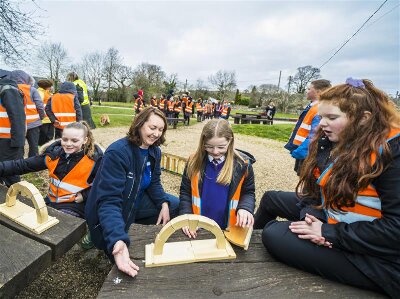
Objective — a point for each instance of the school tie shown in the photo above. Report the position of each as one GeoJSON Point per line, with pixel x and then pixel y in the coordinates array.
{"type": "Point", "coordinates": [215, 162]}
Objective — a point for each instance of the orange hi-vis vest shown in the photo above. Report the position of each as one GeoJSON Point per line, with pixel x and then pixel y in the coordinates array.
{"type": "Point", "coordinates": [178, 107]}
{"type": "Point", "coordinates": [5, 124]}
{"type": "Point", "coordinates": [199, 108]}
{"type": "Point", "coordinates": [171, 106]}
{"type": "Point", "coordinates": [189, 108]}
{"type": "Point", "coordinates": [224, 111]}
{"type": "Point", "coordinates": [233, 203]}
{"type": "Point", "coordinates": [31, 112]}
{"type": "Point", "coordinates": [368, 203]}
{"type": "Point", "coordinates": [153, 102]}
{"type": "Point", "coordinates": [162, 104]}
{"type": "Point", "coordinates": [75, 181]}
{"type": "Point", "coordinates": [305, 127]}
{"type": "Point", "coordinates": [62, 105]}
{"type": "Point", "coordinates": [138, 103]}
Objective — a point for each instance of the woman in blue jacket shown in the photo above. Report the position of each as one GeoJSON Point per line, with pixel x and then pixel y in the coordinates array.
{"type": "Point", "coordinates": [128, 189]}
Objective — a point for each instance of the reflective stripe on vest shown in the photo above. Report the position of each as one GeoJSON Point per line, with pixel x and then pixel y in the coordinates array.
{"type": "Point", "coordinates": [189, 108]}
{"type": "Point", "coordinates": [31, 112]}
{"type": "Point", "coordinates": [171, 106]}
{"type": "Point", "coordinates": [74, 182]}
{"type": "Point", "coordinates": [199, 108]}
{"type": "Point", "coordinates": [162, 104]}
{"type": "Point", "coordinates": [224, 111]}
{"type": "Point", "coordinates": [305, 127]}
{"type": "Point", "coordinates": [5, 124]}
{"type": "Point", "coordinates": [233, 203]}
{"type": "Point", "coordinates": [367, 203]}
{"type": "Point", "coordinates": [177, 108]}
{"type": "Point", "coordinates": [62, 105]}
{"type": "Point", "coordinates": [85, 91]}
{"type": "Point", "coordinates": [153, 103]}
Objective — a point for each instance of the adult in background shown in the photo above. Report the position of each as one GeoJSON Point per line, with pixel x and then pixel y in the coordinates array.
{"type": "Point", "coordinates": [83, 97]}
{"type": "Point", "coordinates": [12, 126]}
{"type": "Point", "coordinates": [34, 109]}
{"type": "Point", "coordinates": [63, 108]}
{"type": "Point", "coordinates": [344, 219]}
{"type": "Point", "coordinates": [306, 124]}
{"type": "Point", "coordinates": [47, 128]}
{"type": "Point", "coordinates": [270, 110]}
{"type": "Point", "coordinates": [127, 189]}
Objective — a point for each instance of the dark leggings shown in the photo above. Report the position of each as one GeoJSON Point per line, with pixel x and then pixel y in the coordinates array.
{"type": "Point", "coordinates": [285, 246]}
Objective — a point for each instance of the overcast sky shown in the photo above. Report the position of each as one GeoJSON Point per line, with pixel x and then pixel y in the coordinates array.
{"type": "Point", "coordinates": [256, 39]}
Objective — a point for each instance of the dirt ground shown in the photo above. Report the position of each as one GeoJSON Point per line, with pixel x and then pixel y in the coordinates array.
{"type": "Point", "coordinates": [80, 273]}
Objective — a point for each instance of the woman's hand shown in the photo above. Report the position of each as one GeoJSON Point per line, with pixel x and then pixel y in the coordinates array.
{"type": "Point", "coordinates": [244, 218]}
{"type": "Point", "coordinates": [164, 214]}
{"type": "Point", "coordinates": [310, 229]}
{"type": "Point", "coordinates": [78, 198]}
{"type": "Point", "coordinates": [190, 234]}
{"type": "Point", "coordinates": [122, 260]}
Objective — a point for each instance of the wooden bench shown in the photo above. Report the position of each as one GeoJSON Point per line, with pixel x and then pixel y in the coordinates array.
{"type": "Point", "coordinates": [175, 121]}
{"type": "Point", "coordinates": [254, 120]}
{"type": "Point", "coordinates": [60, 238]}
{"type": "Point", "coordinates": [253, 274]}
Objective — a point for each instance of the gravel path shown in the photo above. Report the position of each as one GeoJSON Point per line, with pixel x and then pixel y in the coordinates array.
{"type": "Point", "coordinates": [80, 273]}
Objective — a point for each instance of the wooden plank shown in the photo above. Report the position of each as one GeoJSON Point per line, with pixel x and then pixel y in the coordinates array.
{"type": "Point", "coordinates": [21, 261]}
{"type": "Point", "coordinates": [60, 237]}
{"type": "Point", "coordinates": [253, 274]}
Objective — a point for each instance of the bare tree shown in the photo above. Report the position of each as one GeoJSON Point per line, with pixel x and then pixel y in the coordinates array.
{"type": "Point", "coordinates": [170, 83]}
{"type": "Point", "coordinates": [224, 82]}
{"type": "Point", "coordinates": [92, 65]}
{"type": "Point", "coordinates": [304, 75]}
{"type": "Point", "coordinates": [112, 61]}
{"type": "Point", "coordinates": [53, 57]}
{"type": "Point", "coordinates": [123, 78]}
{"type": "Point", "coordinates": [18, 31]}
{"type": "Point", "coordinates": [149, 78]}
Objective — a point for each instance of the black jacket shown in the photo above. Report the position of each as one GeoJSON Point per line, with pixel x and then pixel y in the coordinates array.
{"type": "Point", "coordinates": [374, 247]}
{"type": "Point", "coordinates": [13, 102]}
{"type": "Point", "coordinates": [64, 166]}
{"type": "Point", "coordinates": [247, 195]}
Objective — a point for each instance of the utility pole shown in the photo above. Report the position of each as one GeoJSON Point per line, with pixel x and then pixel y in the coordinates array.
{"type": "Point", "coordinates": [186, 85]}
{"type": "Point", "coordinates": [290, 82]}
{"type": "Point", "coordinates": [279, 81]}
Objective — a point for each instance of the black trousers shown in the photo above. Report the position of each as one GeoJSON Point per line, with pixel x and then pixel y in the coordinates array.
{"type": "Point", "coordinates": [9, 153]}
{"type": "Point", "coordinates": [32, 136]}
{"type": "Point", "coordinates": [285, 246]}
{"type": "Point", "coordinates": [46, 133]}
{"type": "Point", "coordinates": [87, 116]}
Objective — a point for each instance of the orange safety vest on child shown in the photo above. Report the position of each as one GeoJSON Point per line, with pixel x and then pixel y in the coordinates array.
{"type": "Point", "coordinates": [199, 108]}
{"type": "Point", "coordinates": [224, 111]}
{"type": "Point", "coordinates": [31, 112]}
{"type": "Point", "coordinates": [368, 203]}
{"type": "Point", "coordinates": [162, 106]}
{"type": "Point", "coordinates": [233, 203]}
{"type": "Point", "coordinates": [178, 107]}
{"type": "Point", "coordinates": [74, 182]}
{"type": "Point", "coordinates": [5, 124]}
{"type": "Point", "coordinates": [62, 105]}
{"type": "Point", "coordinates": [305, 127]}
{"type": "Point", "coordinates": [189, 108]}
{"type": "Point", "coordinates": [171, 106]}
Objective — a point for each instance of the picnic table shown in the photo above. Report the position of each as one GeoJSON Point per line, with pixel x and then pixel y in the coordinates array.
{"type": "Point", "coordinates": [246, 118]}
{"type": "Point", "coordinates": [253, 274]}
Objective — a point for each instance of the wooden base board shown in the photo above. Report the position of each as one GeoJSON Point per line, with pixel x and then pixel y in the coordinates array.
{"type": "Point", "coordinates": [26, 216]}
{"type": "Point", "coordinates": [185, 252]}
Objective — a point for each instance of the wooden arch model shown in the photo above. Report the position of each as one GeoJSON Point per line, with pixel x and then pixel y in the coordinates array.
{"type": "Point", "coordinates": [161, 253]}
{"type": "Point", "coordinates": [35, 219]}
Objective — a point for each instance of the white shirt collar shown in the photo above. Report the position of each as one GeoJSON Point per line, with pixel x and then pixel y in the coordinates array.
{"type": "Point", "coordinates": [220, 160]}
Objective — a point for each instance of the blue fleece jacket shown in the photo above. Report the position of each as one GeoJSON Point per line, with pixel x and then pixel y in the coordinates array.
{"type": "Point", "coordinates": [112, 203]}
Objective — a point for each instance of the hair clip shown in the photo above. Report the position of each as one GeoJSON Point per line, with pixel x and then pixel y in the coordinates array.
{"type": "Point", "coordinates": [355, 82]}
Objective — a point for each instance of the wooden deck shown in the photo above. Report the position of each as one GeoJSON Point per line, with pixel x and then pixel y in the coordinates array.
{"type": "Point", "coordinates": [253, 274]}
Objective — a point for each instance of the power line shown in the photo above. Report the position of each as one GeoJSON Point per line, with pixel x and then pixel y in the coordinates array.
{"type": "Point", "coordinates": [358, 30]}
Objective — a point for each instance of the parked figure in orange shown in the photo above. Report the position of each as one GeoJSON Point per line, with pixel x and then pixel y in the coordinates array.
{"type": "Point", "coordinates": [64, 108]}
{"type": "Point", "coordinates": [347, 200]}
{"type": "Point", "coordinates": [47, 128]}
{"type": "Point", "coordinates": [72, 163]}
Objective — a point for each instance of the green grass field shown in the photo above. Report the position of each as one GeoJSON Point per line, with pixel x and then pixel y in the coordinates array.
{"type": "Point", "coordinates": [280, 132]}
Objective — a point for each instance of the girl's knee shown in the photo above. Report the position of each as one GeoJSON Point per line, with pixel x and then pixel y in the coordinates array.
{"type": "Point", "coordinates": [273, 235]}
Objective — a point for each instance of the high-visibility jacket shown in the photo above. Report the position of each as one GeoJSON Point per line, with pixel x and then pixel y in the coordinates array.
{"type": "Point", "coordinates": [45, 95]}
{"type": "Point", "coordinates": [224, 111]}
{"type": "Point", "coordinates": [368, 203]}
{"type": "Point", "coordinates": [189, 108]}
{"type": "Point", "coordinates": [199, 108]}
{"type": "Point", "coordinates": [162, 104]}
{"type": "Point", "coordinates": [31, 112]}
{"type": "Point", "coordinates": [178, 107]}
{"type": "Point", "coordinates": [153, 102]}
{"type": "Point", "coordinates": [5, 124]}
{"type": "Point", "coordinates": [85, 91]}
{"type": "Point", "coordinates": [305, 126]}
{"type": "Point", "coordinates": [233, 203]}
{"type": "Point", "coordinates": [62, 105]}
{"type": "Point", "coordinates": [75, 181]}
{"type": "Point", "coordinates": [171, 105]}
{"type": "Point", "coordinates": [138, 106]}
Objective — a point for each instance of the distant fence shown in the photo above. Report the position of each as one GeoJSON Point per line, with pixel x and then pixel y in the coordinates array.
{"type": "Point", "coordinates": [173, 163]}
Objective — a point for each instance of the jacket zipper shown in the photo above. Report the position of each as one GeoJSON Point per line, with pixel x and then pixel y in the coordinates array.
{"type": "Point", "coordinates": [140, 181]}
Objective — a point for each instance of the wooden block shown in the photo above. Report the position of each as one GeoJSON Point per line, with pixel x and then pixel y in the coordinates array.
{"type": "Point", "coordinates": [193, 222]}
{"type": "Point", "coordinates": [206, 250]}
{"type": "Point", "coordinates": [21, 261]}
{"type": "Point", "coordinates": [173, 254]}
{"type": "Point", "coordinates": [239, 236]}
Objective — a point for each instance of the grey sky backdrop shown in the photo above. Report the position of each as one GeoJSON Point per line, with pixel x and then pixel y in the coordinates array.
{"type": "Point", "coordinates": [256, 39]}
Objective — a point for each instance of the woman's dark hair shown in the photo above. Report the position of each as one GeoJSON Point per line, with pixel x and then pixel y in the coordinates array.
{"type": "Point", "coordinates": [138, 122]}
